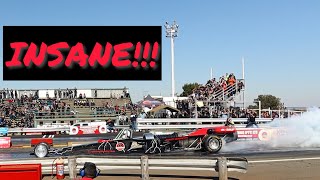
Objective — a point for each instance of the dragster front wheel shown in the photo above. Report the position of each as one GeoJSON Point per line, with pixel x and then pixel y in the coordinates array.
{"type": "Point", "coordinates": [41, 150]}
{"type": "Point", "coordinates": [212, 144]}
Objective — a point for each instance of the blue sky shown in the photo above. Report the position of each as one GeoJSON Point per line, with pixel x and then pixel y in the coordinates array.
{"type": "Point", "coordinates": [280, 41]}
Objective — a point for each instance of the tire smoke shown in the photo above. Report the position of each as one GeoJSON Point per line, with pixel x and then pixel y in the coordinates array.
{"type": "Point", "coordinates": [300, 131]}
{"type": "Point", "coordinates": [296, 132]}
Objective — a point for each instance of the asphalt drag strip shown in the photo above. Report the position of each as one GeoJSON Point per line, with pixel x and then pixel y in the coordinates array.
{"type": "Point", "coordinates": [252, 155]}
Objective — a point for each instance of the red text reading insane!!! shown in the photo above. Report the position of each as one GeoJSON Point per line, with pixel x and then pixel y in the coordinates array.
{"type": "Point", "coordinates": [124, 55]}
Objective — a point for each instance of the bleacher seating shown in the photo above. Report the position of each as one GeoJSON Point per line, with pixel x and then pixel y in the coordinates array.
{"type": "Point", "coordinates": [21, 112]}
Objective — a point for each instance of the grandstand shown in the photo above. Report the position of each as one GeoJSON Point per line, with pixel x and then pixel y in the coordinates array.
{"type": "Point", "coordinates": [40, 107]}
{"type": "Point", "coordinates": [214, 99]}
{"type": "Point", "coordinates": [216, 96]}
{"type": "Point", "coordinates": [219, 99]}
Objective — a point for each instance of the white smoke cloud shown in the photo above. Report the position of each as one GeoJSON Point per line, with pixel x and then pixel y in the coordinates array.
{"type": "Point", "coordinates": [300, 132]}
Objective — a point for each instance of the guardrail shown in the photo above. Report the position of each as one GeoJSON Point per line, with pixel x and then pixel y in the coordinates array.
{"type": "Point", "coordinates": [37, 130]}
{"type": "Point", "coordinates": [75, 118]}
{"type": "Point", "coordinates": [57, 116]}
{"type": "Point", "coordinates": [43, 130]}
{"type": "Point", "coordinates": [191, 123]}
{"type": "Point", "coordinates": [222, 165]}
{"type": "Point", "coordinates": [150, 124]}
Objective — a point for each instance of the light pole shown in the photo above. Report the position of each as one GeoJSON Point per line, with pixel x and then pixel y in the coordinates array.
{"type": "Point", "coordinates": [172, 32]}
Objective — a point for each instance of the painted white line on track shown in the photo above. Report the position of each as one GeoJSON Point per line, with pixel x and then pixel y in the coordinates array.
{"type": "Point", "coordinates": [284, 160]}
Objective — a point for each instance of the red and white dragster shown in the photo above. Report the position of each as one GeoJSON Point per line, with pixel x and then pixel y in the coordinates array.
{"type": "Point", "coordinates": [88, 128]}
{"type": "Point", "coordinates": [203, 139]}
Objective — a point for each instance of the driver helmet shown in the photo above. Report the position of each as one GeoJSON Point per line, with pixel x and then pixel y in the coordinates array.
{"type": "Point", "coordinates": [126, 134]}
{"type": "Point", "coordinates": [230, 121]}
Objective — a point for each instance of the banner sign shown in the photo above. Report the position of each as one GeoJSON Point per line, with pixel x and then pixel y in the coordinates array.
{"type": "Point", "coordinates": [262, 134]}
{"type": "Point", "coordinates": [5, 142]}
{"type": "Point", "coordinates": [82, 52]}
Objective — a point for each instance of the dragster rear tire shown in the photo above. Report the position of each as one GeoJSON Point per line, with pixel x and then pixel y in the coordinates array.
{"type": "Point", "coordinates": [41, 150]}
{"type": "Point", "coordinates": [212, 143]}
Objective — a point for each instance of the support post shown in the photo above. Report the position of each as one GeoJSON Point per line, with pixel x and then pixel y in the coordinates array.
{"type": "Point", "coordinates": [243, 91]}
{"type": "Point", "coordinates": [270, 112]}
{"type": "Point", "coordinates": [243, 68]}
{"type": "Point", "coordinates": [259, 109]}
{"type": "Point", "coordinates": [196, 108]}
{"type": "Point", "coordinates": [222, 94]}
{"type": "Point", "coordinates": [222, 168]}
{"type": "Point", "coordinates": [72, 165]}
{"type": "Point", "coordinates": [144, 168]}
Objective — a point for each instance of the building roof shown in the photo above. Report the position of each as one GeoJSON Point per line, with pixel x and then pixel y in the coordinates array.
{"type": "Point", "coordinates": [161, 107]}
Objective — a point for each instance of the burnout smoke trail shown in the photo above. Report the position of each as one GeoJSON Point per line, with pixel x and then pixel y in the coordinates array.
{"type": "Point", "coordinates": [300, 132]}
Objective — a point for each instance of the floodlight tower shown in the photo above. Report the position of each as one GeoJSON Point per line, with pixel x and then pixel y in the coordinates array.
{"type": "Point", "coordinates": [172, 32]}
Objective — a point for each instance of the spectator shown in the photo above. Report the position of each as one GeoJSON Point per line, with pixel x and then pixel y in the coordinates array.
{"type": "Point", "coordinates": [89, 171]}
{"type": "Point", "coordinates": [75, 92]}
{"type": "Point", "coordinates": [133, 120]}
{"type": "Point", "coordinates": [229, 122]}
{"type": "Point", "coordinates": [110, 125]}
{"type": "Point", "coordinates": [251, 120]}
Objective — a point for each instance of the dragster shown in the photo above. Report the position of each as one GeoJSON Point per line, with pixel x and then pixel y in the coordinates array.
{"type": "Point", "coordinates": [204, 139]}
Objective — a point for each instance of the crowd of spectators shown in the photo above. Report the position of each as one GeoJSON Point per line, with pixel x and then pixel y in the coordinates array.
{"type": "Point", "coordinates": [13, 115]}
{"type": "Point", "coordinates": [217, 90]}
{"type": "Point", "coordinates": [84, 102]}
{"type": "Point", "coordinates": [219, 111]}
{"type": "Point", "coordinates": [21, 111]}
{"type": "Point", "coordinates": [214, 91]}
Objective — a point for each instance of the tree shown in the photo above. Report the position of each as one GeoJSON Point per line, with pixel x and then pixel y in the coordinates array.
{"type": "Point", "coordinates": [268, 101]}
{"type": "Point", "coordinates": [188, 88]}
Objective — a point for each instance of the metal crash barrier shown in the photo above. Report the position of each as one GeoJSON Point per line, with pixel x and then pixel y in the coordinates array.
{"type": "Point", "coordinates": [37, 130]}
{"type": "Point", "coordinates": [151, 124]}
{"type": "Point", "coordinates": [143, 164]}
{"type": "Point", "coordinates": [191, 123]}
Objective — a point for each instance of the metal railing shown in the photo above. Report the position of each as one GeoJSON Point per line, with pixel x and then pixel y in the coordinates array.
{"type": "Point", "coordinates": [222, 95]}
{"type": "Point", "coordinates": [58, 116]}
{"type": "Point", "coordinates": [144, 164]}
{"type": "Point", "coordinates": [38, 130]}
{"type": "Point", "coordinates": [151, 124]}
{"type": "Point", "coordinates": [225, 94]}
{"type": "Point", "coordinates": [192, 123]}
{"type": "Point", "coordinates": [86, 117]}
{"type": "Point", "coordinates": [46, 130]}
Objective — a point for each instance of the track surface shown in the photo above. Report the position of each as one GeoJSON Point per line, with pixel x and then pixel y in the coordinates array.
{"type": "Point", "coordinates": [265, 161]}
{"type": "Point", "coordinates": [249, 149]}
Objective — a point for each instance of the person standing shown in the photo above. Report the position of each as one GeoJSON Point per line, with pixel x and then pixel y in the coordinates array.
{"type": "Point", "coordinates": [133, 120]}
